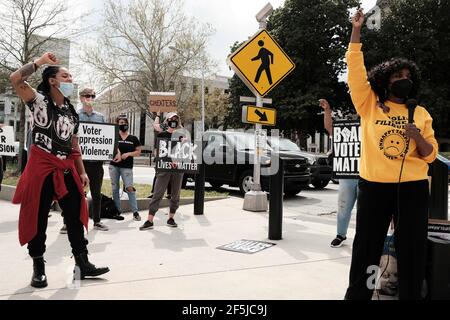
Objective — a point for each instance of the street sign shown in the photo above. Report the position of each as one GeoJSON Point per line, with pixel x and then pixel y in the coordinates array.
{"type": "Point", "coordinates": [253, 100]}
{"type": "Point", "coordinates": [261, 63]}
{"type": "Point", "coordinates": [265, 116]}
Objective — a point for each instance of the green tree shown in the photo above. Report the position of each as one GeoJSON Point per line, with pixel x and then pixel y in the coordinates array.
{"type": "Point", "coordinates": [418, 30]}
{"type": "Point", "coordinates": [314, 34]}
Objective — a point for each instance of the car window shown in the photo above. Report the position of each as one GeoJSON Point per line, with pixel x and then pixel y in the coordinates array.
{"type": "Point", "coordinates": [283, 144]}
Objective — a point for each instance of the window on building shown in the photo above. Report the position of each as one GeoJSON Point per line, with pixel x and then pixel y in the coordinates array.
{"type": "Point", "coordinates": [171, 86]}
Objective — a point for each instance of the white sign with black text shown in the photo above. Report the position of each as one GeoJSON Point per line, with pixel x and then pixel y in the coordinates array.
{"type": "Point", "coordinates": [7, 143]}
{"type": "Point", "coordinates": [98, 141]}
{"type": "Point", "coordinates": [346, 149]}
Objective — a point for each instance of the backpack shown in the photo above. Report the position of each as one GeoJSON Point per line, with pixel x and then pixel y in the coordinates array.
{"type": "Point", "coordinates": [108, 209]}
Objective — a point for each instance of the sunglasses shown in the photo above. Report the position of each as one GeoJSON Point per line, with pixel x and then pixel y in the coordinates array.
{"type": "Point", "coordinates": [89, 96]}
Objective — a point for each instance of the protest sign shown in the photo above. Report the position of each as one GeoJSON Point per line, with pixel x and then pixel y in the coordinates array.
{"type": "Point", "coordinates": [346, 149]}
{"type": "Point", "coordinates": [98, 141]}
{"type": "Point", "coordinates": [7, 143]}
{"type": "Point", "coordinates": [178, 156]}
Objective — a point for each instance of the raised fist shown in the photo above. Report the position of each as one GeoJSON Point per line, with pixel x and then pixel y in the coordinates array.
{"type": "Point", "coordinates": [48, 58]}
{"type": "Point", "coordinates": [358, 19]}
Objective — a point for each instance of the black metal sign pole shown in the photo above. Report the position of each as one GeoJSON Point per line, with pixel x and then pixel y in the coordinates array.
{"type": "Point", "coordinates": [276, 202]}
{"type": "Point", "coordinates": [439, 190]}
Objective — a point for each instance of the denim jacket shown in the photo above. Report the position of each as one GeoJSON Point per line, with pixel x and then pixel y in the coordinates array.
{"type": "Point", "coordinates": [94, 117]}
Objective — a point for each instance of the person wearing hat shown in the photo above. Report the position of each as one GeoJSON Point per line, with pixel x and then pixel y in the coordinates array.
{"type": "Point", "coordinates": [94, 169]}
{"type": "Point", "coordinates": [163, 179]}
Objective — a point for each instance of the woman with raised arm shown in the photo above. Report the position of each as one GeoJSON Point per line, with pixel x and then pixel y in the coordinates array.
{"type": "Point", "coordinates": [54, 169]}
{"type": "Point", "coordinates": [393, 170]}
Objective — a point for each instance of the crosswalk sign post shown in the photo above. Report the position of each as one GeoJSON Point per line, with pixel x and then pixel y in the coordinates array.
{"type": "Point", "coordinates": [261, 64]}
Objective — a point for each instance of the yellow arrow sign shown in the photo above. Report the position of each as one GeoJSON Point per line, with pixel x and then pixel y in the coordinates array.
{"type": "Point", "coordinates": [265, 116]}
{"type": "Point", "coordinates": [261, 63]}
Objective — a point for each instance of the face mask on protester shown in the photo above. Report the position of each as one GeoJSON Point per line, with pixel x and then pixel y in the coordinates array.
{"type": "Point", "coordinates": [401, 88]}
{"type": "Point", "coordinates": [172, 124]}
{"type": "Point", "coordinates": [123, 127]}
{"type": "Point", "coordinates": [66, 88]}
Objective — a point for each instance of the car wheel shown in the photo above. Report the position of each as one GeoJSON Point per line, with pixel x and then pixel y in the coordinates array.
{"type": "Point", "coordinates": [292, 192]}
{"type": "Point", "coordinates": [246, 181]}
{"type": "Point", "coordinates": [320, 184]}
{"type": "Point", "coordinates": [216, 185]}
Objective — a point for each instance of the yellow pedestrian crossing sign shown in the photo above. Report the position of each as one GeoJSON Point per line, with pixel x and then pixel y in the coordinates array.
{"type": "Point", "coordinates": [264, 116]}
{"type": "Point", "coordinates": [261, 63]}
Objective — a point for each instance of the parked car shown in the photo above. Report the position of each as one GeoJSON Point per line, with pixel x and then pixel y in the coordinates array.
{"type": "Point", "coordinates": [230, 145]}
{"type": "Point", "coordinates": [321, 169]}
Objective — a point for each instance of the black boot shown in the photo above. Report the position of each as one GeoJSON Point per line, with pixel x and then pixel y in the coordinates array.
{"type": "Point", "coordinates": [87, 269]}
{"type": "Point", "coordinates": [39, 279]}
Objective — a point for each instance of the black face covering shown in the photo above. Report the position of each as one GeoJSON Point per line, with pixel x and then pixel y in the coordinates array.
{"type": "Point", "coordinates": [401, 88]}
{"type": "Point", "coordinates": [123, 127]}
{"type": "Point", "coordinates": [173, 124]}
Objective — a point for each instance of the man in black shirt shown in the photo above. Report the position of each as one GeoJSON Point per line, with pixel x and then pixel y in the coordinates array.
{"type": "Point", "coordinates": [129, 147]}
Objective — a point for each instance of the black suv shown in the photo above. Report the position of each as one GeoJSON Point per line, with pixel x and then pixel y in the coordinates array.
{"type": "Point", "coordinates": [229, 160]}
{"type": "Point", "coordinates": [321, 169]}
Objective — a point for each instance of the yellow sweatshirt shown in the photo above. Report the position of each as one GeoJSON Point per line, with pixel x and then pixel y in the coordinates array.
{"type": "Point", "coordinates": [383, 141]}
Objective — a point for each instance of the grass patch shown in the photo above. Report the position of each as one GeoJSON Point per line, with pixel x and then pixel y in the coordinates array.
{"type": "Point", "coordinates": [143, 190]}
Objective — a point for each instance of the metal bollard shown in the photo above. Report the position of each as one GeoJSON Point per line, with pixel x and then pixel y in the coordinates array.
{"type": "Point", "coordinates": [199, 193]}
{"type": "Point", "coordinates": [276, 202]}
{"type": "Point", "coordinates": [439, 190]}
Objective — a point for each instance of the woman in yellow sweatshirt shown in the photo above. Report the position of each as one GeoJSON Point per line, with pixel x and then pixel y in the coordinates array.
{"type": "Point", "coordinates": [393, 171]}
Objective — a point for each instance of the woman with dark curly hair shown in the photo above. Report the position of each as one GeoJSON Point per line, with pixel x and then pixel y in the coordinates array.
{"type": "Point", "coordinates": [393, 171]}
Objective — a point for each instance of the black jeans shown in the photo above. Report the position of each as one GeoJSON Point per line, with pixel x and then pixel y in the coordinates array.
{"type": "Point", "coordinates": [70, 204]}
{"type": "Point", "coordinates": [94, 170]}
{"type": "Point", "coordinates": [377, 203]}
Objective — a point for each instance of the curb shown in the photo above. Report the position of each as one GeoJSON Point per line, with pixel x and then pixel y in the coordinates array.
{"type": "Point", "coordinates": [7, 194]}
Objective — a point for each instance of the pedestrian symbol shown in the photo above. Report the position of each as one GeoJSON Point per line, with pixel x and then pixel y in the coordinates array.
{"type": "Point", "coordinates": [264, 56]}
{"type": "Point", "coordinates": [261, 63]}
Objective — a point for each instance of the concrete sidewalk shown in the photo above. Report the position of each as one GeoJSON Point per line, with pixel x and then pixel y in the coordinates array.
{"type": "Point", "coordinates": [183, 263]}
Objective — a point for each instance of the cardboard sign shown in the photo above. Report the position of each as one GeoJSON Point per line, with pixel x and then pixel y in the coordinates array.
{"type": "Point", "coordinates": [346, 149]}
{"type": "Point", "coordinates": [162, 102]}
{"type": "Point", "coordinates": [177, 156]}
{"type": "Point", "coordinates": [98, 141]}
{"type": "Point", "coordinates": [7, 143]}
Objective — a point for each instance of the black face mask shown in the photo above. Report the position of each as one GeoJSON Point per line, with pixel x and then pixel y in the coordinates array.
{"type": "Point", "coordinates": [123, 127]}
{"type": "Point", "coordinates": [401, 88]}
{"type": "Point", "coordinates": [173, 124]}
